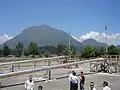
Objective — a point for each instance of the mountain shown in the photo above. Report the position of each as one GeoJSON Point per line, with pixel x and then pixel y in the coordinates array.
{"type": "Point", "coordinates": [92, 42]}
{"type": "Point", "coordinates": [118, 46]}
{"type": "Point", "coordinates": [43, 35]}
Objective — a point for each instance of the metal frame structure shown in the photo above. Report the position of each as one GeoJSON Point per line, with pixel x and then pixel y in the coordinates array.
{"type": "Point", "coordinates": [11, 74]}
{"type": "Point", "coordinates": [34, 60]}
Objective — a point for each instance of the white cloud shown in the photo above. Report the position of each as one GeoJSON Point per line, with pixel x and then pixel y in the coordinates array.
{"type": "Point", "coordinates": [101, 37]}
{"type": "Point", "coordinates": [4, 38]}
{"type": "Point", "coordinates": [91, 34]}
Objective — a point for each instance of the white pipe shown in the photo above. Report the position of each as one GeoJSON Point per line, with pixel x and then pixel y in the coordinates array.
{"type": "Point", "coordinates": [34, 60]}
{"type": "Point", "coordinates": [11, 74]}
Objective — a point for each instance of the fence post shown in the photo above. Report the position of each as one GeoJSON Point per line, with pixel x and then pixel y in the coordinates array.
{"type": "Point", "coordinates": [49, 71]}
{"type": "Point", "coordinates": [49, 74]}
{"type": "Point", "coordinates": [116, 63]}
{"type": "Point", "coordinates": [90, 67]}
{"type": "Point", "coordinates": [96, 67]}
{"type": "Point", "coordinates": [119, 67]}
{"type": "Point", "coordinates": [12, 68]}
{"type": "Point", "coordinates": [0, 84]}
{"type": "Point", "coordinates": [34, 64]}
{"type": "Point", "coordinates": [18, 65]}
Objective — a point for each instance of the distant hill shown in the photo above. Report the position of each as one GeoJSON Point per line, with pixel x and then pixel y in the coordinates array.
{"type": "Point", "coordinates": [43, 35]}
{"type": "Point", "coordinates": [118, 46]}
{"type": "Point", "coordinates": [92, 42]}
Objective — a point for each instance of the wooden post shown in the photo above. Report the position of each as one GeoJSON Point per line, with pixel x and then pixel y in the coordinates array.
{"type": "Point", "coordinates": [90, 67]}
{"type": "Point", "coordinates": [49, 71]}
{"type": "Point", "coordinates": [45, 62]}
{"type": "Point", "coordinates": [76, 57]}
{"type": "Point", "coordinates": [76, 66]}
{"type": "Point", "coordinates": [119, 69]}
{"type": "Point", "coordinates": [34, 64]}
{"type": "Point", "coordinates": [12, 68]}
{"type": "Point", "coordinates": [110, 59]}
{"type": "Point", "coordinates": [0, 84]}
{"type": "Point", "coordinates": [119, 57]}
{"type": "Point", "coordinates": [49, 74]}
{"type": "Point", "coordinates": [18, 65]}
{"type": "Point", "coordinates": [115, 67]}
{"type": "Point", "coordinates": [110, 65]}
{"type": "Point", "coordinates": [105, 59]}
{"type": "Point", "coordinates": [96, 67]}
{"type": "Point", "coordinates": [58, 61]}
{"type": "Point", "coordinates": [116, 64]}
{"type": "Point", "coordinates": [110, 68]}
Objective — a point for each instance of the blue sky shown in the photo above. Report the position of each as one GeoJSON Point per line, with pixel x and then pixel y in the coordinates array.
{"type": "Point", "coordinates": [78, 16]}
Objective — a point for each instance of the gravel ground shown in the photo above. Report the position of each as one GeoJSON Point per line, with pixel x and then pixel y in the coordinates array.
{"type": "Point", "coordinates": [63, 84]}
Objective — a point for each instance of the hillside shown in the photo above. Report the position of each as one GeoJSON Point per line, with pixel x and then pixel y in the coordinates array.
{"type": "Point", "coordinates": [118, 46]}
{"type": "Point", "coordinates": [43, 35]}
{"type": "Point", "coordinates": [92, 42]}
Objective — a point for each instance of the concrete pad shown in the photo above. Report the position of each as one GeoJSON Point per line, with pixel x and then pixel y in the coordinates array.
{"type": "Point", "coordinates": [63, 84]}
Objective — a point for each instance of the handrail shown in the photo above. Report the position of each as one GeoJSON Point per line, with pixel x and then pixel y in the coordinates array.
{"type": "Point", "coordinates": [34, 60]}
{"type": "Point", "coordinates": [47, 68]}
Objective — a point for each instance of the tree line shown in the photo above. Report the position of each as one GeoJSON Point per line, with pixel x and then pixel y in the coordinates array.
{"type": "Point", "coordinates": [89, 51]}
{"type": "Point", "coordinates": [61, 49]}
{"type": "Point", "coordinates": [33, 49]}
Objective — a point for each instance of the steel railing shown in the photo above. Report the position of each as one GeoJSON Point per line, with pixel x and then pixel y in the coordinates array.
{"type": "Point", "coordinates": [47, 68]}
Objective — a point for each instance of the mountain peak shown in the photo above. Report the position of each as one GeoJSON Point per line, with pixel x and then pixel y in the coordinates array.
{"type": "Point", "coordinates": [40, 26]}
{"type": "Point", "coordinates": [44, 25]}
{"type": "Point", "coordinates": [92, 42]}
{"type": "Point", "coordinates": [89, 40]}
{"type": "Point", "coordinates": [43, 35]}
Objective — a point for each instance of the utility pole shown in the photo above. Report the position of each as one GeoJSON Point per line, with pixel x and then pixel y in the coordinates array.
{"type": "Point", "coordinates": [106, 51]}
{"type": "Point", "coordinates": [69, 45]}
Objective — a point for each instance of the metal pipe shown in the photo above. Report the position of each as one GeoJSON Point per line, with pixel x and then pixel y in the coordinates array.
{"type": "Point", "coordinates": [37, 60]}
{"type": "Point", "coordinates": [11, 74]}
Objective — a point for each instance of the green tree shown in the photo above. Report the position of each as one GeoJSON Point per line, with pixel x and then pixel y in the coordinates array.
{"type": "Point", "coordinates": [33, 48]}
{"type": "Point", "coordinates": [87, 52]}
{"type": "Point", "coordinates": [49, 48]}
{"type": "Point", "coordinates": [62, 49]}
{"type": "Point", "coordinates": [46, 53]}
{"type": "Point", "coordinates": [90, 52]}
{"type": "Point", "coordinates": [26, 52]}
{"type": "Point", "coordinates": [12, 51]}
{"type": "Point", "coordinates": [96, 52]}
{"type": "Point", "coordinates": [102, 51]}
{"type": "Point", "coordinates": [19, 49]}
{"type": "Point", "coordinates": [59, 49]}
{"type": "Point", "coordinates": [6, 50]}
{"type": "Point", "coordinates": [0, 52]}
{"type": "Point", "coordinates": [119, 50]}
{"type": "Point", "coordinates": [113, 50]}
{"type": "Point", "coordinates": [65, 50]}
{"type": "Point", "coordinates": [73, 50]}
